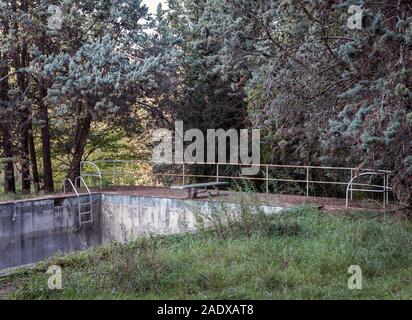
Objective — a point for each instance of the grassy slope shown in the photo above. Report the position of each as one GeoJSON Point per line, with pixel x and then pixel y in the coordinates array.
{"type": "Point", "coordinates": [299, 255]}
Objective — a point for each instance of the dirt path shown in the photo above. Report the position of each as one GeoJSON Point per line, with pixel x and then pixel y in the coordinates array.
{"type": "Point", "coordinates": [6, 288]}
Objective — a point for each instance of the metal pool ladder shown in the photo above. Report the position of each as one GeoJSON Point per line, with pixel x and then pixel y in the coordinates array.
{"type": "Point", "coordinates": [85, 209]}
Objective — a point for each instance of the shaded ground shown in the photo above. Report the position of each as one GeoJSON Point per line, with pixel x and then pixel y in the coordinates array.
{"type": "Point", "coordinates": [9, 285]}
{"type": "Point", "coordinates": [6, 289]}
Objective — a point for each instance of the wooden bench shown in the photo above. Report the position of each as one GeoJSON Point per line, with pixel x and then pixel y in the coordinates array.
{"type": "Point", "coordinates": [194, 189]}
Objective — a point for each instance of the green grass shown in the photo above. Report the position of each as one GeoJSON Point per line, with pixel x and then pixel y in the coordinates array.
{"type": "Point", "coordinates": [301, 254]}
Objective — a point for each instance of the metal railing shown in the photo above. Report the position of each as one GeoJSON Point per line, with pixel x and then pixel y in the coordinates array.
{"type": "Point", "coordinates": [67, 180]}
{"type": "Point", "coordinates": [353, 173]}
{"type": "Point", "coordinates": [380, 189]}
{"type": "Point", "coordinates": [96, 174]}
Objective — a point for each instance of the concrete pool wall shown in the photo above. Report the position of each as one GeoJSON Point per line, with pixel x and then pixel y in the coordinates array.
{"type": "Point", "coordinates": [33, 230]}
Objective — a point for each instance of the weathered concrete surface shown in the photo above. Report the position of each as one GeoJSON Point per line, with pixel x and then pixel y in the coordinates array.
{"type": "Point", "coordinates": [33, 230]}
{"type": "Point", "coordinates": [125, 217]}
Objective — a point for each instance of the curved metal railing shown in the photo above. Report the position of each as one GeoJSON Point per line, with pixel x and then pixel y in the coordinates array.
{"type": "Point", "coordinates": [97, 174]}
{"type": "Point", "coordinates": [382, 188]}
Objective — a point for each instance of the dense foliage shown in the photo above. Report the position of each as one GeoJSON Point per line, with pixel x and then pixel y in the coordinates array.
{"type": "Point", "coordinates": [324, 93]}
{"type": "Point", "coordinates": [321, 92]}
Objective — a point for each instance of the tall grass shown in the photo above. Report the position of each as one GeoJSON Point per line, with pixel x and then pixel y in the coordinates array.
{"type": "Point", "coordinates": [247, 254]}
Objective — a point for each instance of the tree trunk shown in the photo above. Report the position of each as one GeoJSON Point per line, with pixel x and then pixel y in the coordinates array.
{"type": "Point", "coordinates": [81, 135]}
{"type": "Point", "coordinates": [25, 162]}
{"type": "Point", "coordinates": [9, 180]}
{"type": "Point", "coordinates": [44, 118]}
{"type": "Point", "coordinates": [34, 169]}
{"type": "Point", "coordinates": [45, 139]}
{"type": "Point", "coordinates": [20, 61]}
{"type": "Point", "coordinates": [25, 122]}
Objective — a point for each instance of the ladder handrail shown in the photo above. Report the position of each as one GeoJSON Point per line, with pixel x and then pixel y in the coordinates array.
{"type": "Point", "coordinates": [71, 184]}
{"type": "Point", "coordinates": [81, 180]}
{"type": "Point", "coordinates": [79, 204]}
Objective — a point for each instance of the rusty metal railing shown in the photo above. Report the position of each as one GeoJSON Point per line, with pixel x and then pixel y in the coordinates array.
{"type": "Point", "coordinates": [353, 173]}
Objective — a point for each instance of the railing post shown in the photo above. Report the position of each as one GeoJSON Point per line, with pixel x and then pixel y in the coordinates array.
{"type": "Point", "coordinates": [267, 179]}
{"type": "Point", "coordinates": [183, 173]}
{"type": "Point", "coordinates": [384, 190]}
{"type": "Point", "coordinates": [351, 177]}
{"type": "Point", "coordinates": [217, 172]}
{"type": "Point", "coordinates": [118, 173]}
{"type": "Point", "coordinates": [113, 170]}
{"type": "Point", "coordinates": [307, 181]}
